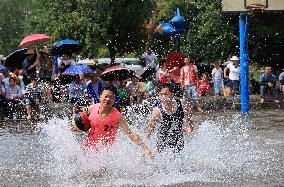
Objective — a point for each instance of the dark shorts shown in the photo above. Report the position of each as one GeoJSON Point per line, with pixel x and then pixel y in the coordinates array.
{"type": "Point", "coordinates": [234, 84]}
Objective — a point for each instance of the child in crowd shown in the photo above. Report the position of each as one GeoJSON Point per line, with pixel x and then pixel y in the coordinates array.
{"type": "Point", "coordinates": [133, 90]}
{"type": "Point", "coordinates": [203, 86]}
{"type": "Point", "coordinates": [217, 78]}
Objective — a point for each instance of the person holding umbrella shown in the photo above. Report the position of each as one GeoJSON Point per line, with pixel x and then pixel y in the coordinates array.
{"type": "Point", "coordinates": [30, 65]}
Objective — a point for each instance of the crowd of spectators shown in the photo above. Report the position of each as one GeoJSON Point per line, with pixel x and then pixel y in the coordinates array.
{"type": "Point", "coordinates": [41, 81]}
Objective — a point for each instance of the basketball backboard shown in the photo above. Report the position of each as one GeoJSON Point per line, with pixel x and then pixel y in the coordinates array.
{"type": "Point", "coordinates": [242, 5]}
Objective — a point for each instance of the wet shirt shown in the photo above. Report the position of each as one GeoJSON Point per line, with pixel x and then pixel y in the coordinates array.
{"type": "Point", "coordinates": [103, 130]}
{"type": "Point", "coordinates": [170, 135]}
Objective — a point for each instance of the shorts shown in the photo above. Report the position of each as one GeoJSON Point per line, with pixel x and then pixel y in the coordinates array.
{"type": "Point", "coordinates": [234, 84]}
{"type": "Point", "coordinates": [190, 92]}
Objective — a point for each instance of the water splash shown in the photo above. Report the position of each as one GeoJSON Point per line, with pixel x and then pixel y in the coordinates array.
{"type": "Point", "coordinates": [220, 150]}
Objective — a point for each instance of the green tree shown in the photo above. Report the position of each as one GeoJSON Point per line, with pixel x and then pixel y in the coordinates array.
{"type": "Point", "coordinates": [95, 24]}
{"type": "Point", "coordinates": [12, 14]}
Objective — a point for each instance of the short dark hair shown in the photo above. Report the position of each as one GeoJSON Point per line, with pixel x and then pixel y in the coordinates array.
{"type": "Point", "coordinates": [12, 78]}
{"type": "Point", "coordinates": [170, 86]}
{"type": "Point", "coordinates": [111, 88]}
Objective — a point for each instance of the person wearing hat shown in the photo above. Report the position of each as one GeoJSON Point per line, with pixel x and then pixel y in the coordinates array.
{"type": "Point", "coordinates": [30, 65]}
{"type": "Point", "coordinates": [234, 75]}
{"type": "Point", "coordinates": [46, 71]}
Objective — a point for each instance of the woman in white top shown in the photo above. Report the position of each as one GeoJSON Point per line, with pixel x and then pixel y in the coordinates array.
{"type": "Point", "coordinates": [234, 75]}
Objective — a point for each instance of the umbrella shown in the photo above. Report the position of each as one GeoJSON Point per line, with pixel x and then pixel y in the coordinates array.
{"type": "Point", "coordinates": [34, 39]}
{"type": "Point", "coordinates": [77, 70]}
{"type": "Point", "coordinates": [16, 58]}
{"type": "Point", "coordinates": [120, 72]}
{"type": "Point", "coordinates": [66, 47]}
{"type": "Point", "coordinates": [3, 68]}
{"type": "Point", "coordinates": [174, 59]}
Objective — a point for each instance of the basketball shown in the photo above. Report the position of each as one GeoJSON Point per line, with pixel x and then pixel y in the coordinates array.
{"type": "Point", "coordinates": [82, 121]}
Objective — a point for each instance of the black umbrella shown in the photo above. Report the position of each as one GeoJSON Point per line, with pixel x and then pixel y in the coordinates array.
{"type": "Point", "coordinates": [16, 58]}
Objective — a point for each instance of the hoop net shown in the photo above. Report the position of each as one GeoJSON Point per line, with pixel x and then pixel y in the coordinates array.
{"type": "Point", "coordinates": [256, 7]}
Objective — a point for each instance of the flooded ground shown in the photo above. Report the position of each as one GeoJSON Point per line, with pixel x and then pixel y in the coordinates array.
{"type": "Point", "coordinates": [225, 149]}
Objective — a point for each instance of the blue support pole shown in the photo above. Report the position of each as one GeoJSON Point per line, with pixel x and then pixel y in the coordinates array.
{"type": "Point", "coordinates": [244, 63]}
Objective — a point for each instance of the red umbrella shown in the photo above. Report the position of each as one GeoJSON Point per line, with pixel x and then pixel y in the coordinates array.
{"type": "Point", "coordinates": [34, 39]}
{"type": "Point", "coordinates": [175, 59]}
{"type": "Point", "coordinates": [119, 72]}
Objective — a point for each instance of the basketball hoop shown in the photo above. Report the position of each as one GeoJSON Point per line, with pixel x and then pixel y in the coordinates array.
{"type": "Point", "coordinates": [256, 7]}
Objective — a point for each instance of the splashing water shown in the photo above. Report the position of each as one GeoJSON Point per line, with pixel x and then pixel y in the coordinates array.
{"type": "Point", "coordinates": [225, 149]}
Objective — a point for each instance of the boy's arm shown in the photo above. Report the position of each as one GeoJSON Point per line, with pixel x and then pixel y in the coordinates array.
{"type": "Point", "coordinates": [188, 127]}
{"type": "Point", "coordinates": [154, 118]}
{"type": "Point", "coordinates": [134, 136]}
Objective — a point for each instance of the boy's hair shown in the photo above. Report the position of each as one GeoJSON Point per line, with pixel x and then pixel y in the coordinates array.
{"type": "Point", "coordinates": [111, 88]}
{"type": "Point", "coordinates": [171, 87]}
{"type": "Point", "coordinates": [12, 78]}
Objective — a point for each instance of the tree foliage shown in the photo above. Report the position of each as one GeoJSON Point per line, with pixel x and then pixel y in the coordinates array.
{"type": "Point", "coordinates": [95, 24]}
{"type": "Point", "coordinates": [12, 15]}
{"type": "Point", "coordinates": [108, 27]}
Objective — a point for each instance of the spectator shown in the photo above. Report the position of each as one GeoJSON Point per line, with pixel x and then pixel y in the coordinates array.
{"type": "Point", "coordinates": [217, 76]}
{"type": "Point", "coordinates": [164, 73]}
{"type": "Point", "coordinates": [30, 65]}
{"type": "Point", "coordinates": [18, 78]}
{"type": "Point", "coordinates": [33, 97]}
{"type": "Point", "coordinates": [234, 75]}
{"type": "Point", "coordinates": [189, 82]}
{"type": "Point", "coordinates": [149, 59]}
{"type": "Point", "coordinates": [13, 94]}
{"type": "Point", "coordinates": [95, 88]}
{"type": "Point", "coordinates": [65, 62]}
{"type": "Point", "coordinates": [76, 91]}
{"type": "Point", "coordinates": [267, 84]}
{"type": "Point", "coordinates": [203, 86]}
{"type": "Point", "coordinates": [2, 101]}
{"type": "Point", "coordinates": [133, 90]}
{"type": "Point", "coordinates": [281, 79]}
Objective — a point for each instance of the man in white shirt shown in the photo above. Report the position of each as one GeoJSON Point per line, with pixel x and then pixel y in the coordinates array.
{"type": "Point", "coordinates": [149, 59]}
{"type": "Point", "coordinates": [234, 75]}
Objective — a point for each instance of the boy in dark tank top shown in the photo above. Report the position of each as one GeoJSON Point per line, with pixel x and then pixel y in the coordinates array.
{"type": "Point", "coordinates": [174, 119]}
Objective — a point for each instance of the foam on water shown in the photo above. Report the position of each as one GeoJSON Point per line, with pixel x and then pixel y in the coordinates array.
{"type": "Point", "coordinates": [221, 150]}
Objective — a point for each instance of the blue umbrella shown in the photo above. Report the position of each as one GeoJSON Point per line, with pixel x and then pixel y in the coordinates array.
{"type": "Point", "coordinates": [77, 70]}
{"type": "Point", "coordinates": [3, 68]}
{"type": "Point", "coordinates": [16, 58]}
{"type": "Point", "coordinates": [66, 47]}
